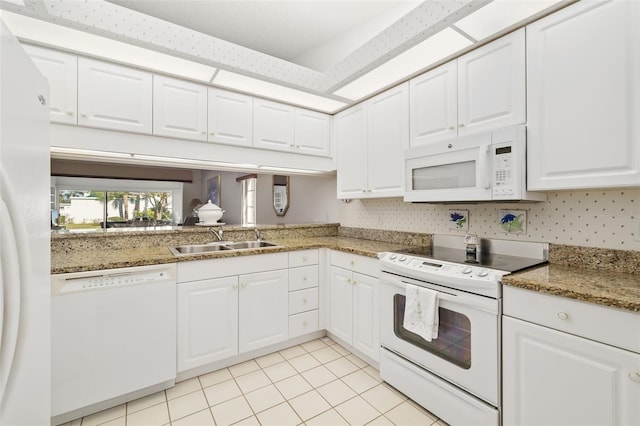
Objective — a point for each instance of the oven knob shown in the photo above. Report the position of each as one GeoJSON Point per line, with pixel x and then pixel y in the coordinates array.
{"type": "Point", "coordinates": [466, 270]}
{"type": "Point", "coordinates": [483, 273]}
{"type": "Point", "coordinates": [403, 258]}
{"type": "Point", "coordinates": [392, 256]}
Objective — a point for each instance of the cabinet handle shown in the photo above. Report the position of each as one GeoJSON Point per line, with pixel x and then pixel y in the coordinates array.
{"type": "Point", "coordinates": [635, 377]}
{"type": "Point", "coordinates": [563, 316]}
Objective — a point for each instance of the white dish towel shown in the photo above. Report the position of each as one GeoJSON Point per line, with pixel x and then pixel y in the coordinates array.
{"type": "Point", "coordinates": [421, 312]}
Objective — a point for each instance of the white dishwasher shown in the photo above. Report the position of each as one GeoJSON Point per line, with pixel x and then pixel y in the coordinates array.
{"type": "Point", "coordinates": [113, 337]}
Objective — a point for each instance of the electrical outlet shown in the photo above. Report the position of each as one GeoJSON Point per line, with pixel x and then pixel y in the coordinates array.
{"type": "Point", "coordinates": [636, 228]}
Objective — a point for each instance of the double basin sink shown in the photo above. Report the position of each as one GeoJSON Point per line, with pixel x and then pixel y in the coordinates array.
{"type": "Point", "coordinates": [219, 246]}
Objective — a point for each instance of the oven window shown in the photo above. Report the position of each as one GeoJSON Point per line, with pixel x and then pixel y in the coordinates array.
{"type": "Point", "coordinates": [454, 334]}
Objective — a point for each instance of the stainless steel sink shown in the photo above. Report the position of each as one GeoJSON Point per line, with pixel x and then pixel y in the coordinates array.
{"type": "Point", "coordinates": [219, 246]}
{"type": "Point", "coordinates": [239, 245]}
{"type": "Point", "coordinates": [197, 249]}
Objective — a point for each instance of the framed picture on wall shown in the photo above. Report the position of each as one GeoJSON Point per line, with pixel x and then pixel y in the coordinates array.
{"type": "Point", "coordinates": [213, 190]}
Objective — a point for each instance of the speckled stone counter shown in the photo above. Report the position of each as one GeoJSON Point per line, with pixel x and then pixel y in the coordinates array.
{"type": "Point", "coordinates": [78, 252]}
{"type": "Point", "coordinates": [600, 276]}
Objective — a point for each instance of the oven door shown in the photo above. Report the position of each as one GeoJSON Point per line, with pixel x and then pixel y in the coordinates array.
{"type": "Point", "coordinates": [466, 352]}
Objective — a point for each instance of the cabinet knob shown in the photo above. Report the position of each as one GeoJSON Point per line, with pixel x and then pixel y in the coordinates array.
{"type": "Point", "coordinates": [235, 286]}
{"type": "Point", "coordinates": [83, 115]}
{"type": "Point", "coordinates": [304, 300]}
{"type": "Point", "coordinates": [292, 146]}
{"type": "Point", "coordinates": [635, 377]}
{"type": "Point", "coordinates": [348, 280]}
{"type": "Point", "coordinates": [204, 133]}
{"type": "Point", "coordinates": [243, 285]}
{"type": "Point", "coordinates": [304, 258]}
{"type": "Point", "coordinates": [451, 128]}
{"type": "Point", "coordinates": [563, 316]}
{"type": "Point", "coordinates": [352, 263]}
{"type": "Point", "coordinates": [461, 125]}
{"type": "Point", "coordinates": [304, 323]}
{"type": "Point", "coordinates": [304, 278]}
{"type": "Point", "coordinates": [297, 146]}
{"type": "Point", "coordinates": [69, 112]}
{"type": "Point", "coordinates": [354, 282]}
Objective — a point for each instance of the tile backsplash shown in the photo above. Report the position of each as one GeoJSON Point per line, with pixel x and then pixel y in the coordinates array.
{"type": "Point", "coordinates": [593, 218]}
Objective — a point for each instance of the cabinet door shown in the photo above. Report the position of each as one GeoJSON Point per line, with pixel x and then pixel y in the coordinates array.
{"type": "Point", "coordinates": [388, 137]}
{"type": "Point", "coordinates": [340, 304]}
{"type": "Point", "coordinates": [491, 85]}
{"type": "Point", "coordinates": [583, 107]}
{"type": "Point", "coordinates": [114, 97]}
{"type": "Point", "coordinates": [554, 378]}
{"type": "Point", "coordinates": [434, 105]}
{"type": "Point", "coordinates": [365, 315]}
{"type": "Point", "coordinates": [351, 152]}
{"type": "Point", "coordinates": [312, 133]}
{"type": "Point", "coordinates": [264, 311]}
{"type": "Point", "coordinates": [61, 70]}
{"type": "Point", "coordinates": [230, 118]}
{"type": "Point", "coordinates": [273, 125]}
{"type": "Point", "coordinates": [207, 321]}
{"type": "Point", "coordinates": [179, 108]}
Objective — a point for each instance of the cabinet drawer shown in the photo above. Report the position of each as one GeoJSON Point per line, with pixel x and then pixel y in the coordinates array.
{"type": "Point", "coordinates": [303, 258]}
{"type": "Point", "coordinates": [305, 277]}
{"type": "Point", "coordinates": [602, 324]}
{"type": "Point", "coordinates": [303, 300]}
{"type": "Point", "coordinates": [306, 322]}
{"type": "Point", "coordinates": [362, 264]}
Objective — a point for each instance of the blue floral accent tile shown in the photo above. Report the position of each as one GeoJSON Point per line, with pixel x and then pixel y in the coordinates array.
{"type": "Point", "coordinates": [459, 220]}
{"type": "Point", "coordinates": [513, 221]}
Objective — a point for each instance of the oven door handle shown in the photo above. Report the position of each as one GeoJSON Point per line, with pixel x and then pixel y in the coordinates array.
{"type": "Point", "coordinates": [475, 302]}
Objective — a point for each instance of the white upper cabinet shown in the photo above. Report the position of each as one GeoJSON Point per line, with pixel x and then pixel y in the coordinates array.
{"type": "Point", "coordinates": [114, 97]}
{"type": "Point", "coordinates": [434, 105]}
{"type": "Point", "coordinates": [273, 125]}
{"type": "Point", "coordinates": [179, 108]}
{"type": "Point", "coordinates": [491, 85]}
{"type": "Point", "coordinates": [61, 70]}
{"type": "Point", "coordinates": [370, 140]}
{"type": "Point", "coordinates": [312, 133]}
{"type": "Point", "coordinates": [583, 102]}
{"type": "Point", "coordinates": [482, 90]}
{"type": "Point", "coordinates": [230, 118]}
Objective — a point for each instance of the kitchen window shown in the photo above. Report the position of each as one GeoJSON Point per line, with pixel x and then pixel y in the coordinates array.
{"type": "Point", "coordinates": [89, 203]}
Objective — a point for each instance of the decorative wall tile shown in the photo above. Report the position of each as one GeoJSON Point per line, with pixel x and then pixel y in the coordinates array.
{"type": "Point", "coordinates": [594, 218]}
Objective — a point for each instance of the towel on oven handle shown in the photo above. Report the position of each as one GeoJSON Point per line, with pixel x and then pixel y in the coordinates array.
{"type": "Point", "coordinates": [421, 312]}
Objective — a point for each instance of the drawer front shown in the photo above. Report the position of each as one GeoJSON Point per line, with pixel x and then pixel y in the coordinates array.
{"type": "Point", "coordinates": [303, 300]}
{"type": "Point", "coordinates": [303, 258]}
{"type": "Point", "coordinates": [224, 267]}
{"type": "Point", "coordinates": [606, 325]}
{"type": "Point", "coordinates": [304, 277]}
{"type": "Point", "coordinates": [304, 323]}
{"type": "Point", "coordinates": [362, 264]}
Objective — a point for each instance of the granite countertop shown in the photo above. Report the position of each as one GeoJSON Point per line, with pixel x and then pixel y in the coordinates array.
{"type": "Point", "coordinates": [599, 286]}
{"type": "Point", "coordinates": [92, 260]}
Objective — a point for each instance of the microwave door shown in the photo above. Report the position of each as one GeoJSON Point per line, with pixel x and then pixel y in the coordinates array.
{"type": "Point", "coordinates": [460, 174]}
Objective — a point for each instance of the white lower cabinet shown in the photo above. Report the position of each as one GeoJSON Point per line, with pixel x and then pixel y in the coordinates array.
{"type": "Point", "coordinates": [551, 377]}
{"type": "Point", "coordinates": [353, 302]}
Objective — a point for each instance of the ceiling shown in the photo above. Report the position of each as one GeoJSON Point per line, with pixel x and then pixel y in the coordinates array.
{"type": "Point", "coordinates": [319, 54]}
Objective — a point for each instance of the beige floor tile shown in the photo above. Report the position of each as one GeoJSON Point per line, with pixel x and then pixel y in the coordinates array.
{"type": "Point", "coordinates": [280, 415]}
{"type": "Point", "coordinates": [186, 405]}
{"type": "Point", "coordinates": [383, 398]}
{"type": "Point", "coordinates": [105, 415]}
{"type": "Point", "coordinates": [183, 388]}
{"type": "Point", "coordinates": [222, 392]}
{"type": "Point", "coordinates": [152, 416]}
{"type": "Point", "coordinates": [318, 376]}
{"type": "Point", "coordinates": [252, 381]}
{"type": "Point", "coordinates": [201, 418]}
{"type": "Point", "coordinates": [280, 371]}
{"type": "Point", "coordinates": [327, 341]}
{"type": "Point", "coordinates": [372, 372]}
{"type": "Point", "coordinates": [292, 352]}
{"type": "Point", "coordinates": [357, 411]}
{"type": "Point", "coordinates": [216, 377]}
{"type": "Point", "coordinates": [264, 398]}
{"type": "Point", "coordinates": [293, 386]}
{"type": "Point", "coordinates": [360, 381]}
{"type": "Point", "coordinates": [120, 421]}
{"type": "Point", "coordinates": [379, 421]}
{"type": "Point", "coordinates": [336, 392]}
{"type": "Point", "coordinates": [325, 355]}
{"type": "Point", "coordinates": [341, 367]}
{"type": "Point", "coordinates": [231, 411]}
{"type": "Point", "coordinates": [304, 362]}
{"type": "Point", "coordinates": [313, 345]}
{"type": "Point", "coordinates": [342, 351]}
{"type": "Point", "coordinates": [249, 421]}
{"type": "Point", "coordinates": [407, 415]}
{"type": "Point", "coordinates": [309, 405]}
{"type": "Point", "coordinates": [146, 402]}
{"type": "Point", "coordinates": [244, 368]}
{"type": "Point", "coordinates": [328, 418]}
{"type": "Point", "coordinates": [271, 359]}
{"type": "Point", "coordinates": [357, 361]}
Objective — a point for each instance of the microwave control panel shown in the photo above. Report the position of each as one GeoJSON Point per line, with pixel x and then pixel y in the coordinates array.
{"type": "Point", "coordinates": [503, 164]}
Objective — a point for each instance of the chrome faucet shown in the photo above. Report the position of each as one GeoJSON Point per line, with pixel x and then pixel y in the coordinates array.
{"type": "Point", "coordinates": [258, 236]}
{"type": "Point", "coordinates": [218, 233]}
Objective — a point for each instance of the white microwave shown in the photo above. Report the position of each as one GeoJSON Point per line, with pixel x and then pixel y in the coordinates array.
{"type": "Point", "coordinates": [489, 166]}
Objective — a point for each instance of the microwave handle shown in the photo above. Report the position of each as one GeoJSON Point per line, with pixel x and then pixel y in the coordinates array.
{"type": "Point", "coordinates": [485, 167]}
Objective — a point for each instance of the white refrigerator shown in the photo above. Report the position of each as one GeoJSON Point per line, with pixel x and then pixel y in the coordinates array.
{"type": "Point", "coordinates": [24, 238]}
